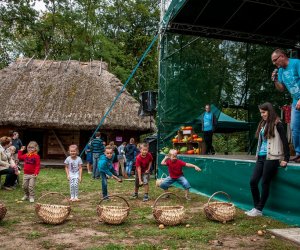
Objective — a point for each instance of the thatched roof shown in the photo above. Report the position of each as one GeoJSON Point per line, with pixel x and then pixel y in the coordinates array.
{"type": "Point", "coordinates": [65, 94]}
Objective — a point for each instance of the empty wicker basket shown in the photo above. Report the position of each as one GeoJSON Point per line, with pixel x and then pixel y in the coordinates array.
{"type": "Point", "coordinates": [52, 213]}
{"type": "Point", "coordinates": [168, 215]}
{"type": "Point", "coordinates": [3, 211]}
{"type": "Point", "coordinates": [114, 215]}
{"type": "Point", "coordinates": [219, 211]}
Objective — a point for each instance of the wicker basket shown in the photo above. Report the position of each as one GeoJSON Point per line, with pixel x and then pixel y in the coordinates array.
{"type": "Point", "coordinates": [3, 211]}
{"type": "Point", "coordinates": [52, 213]}
{"type": "Point", "coordinates": [219, 211]}
{"type": "Point", "coordinates": [168, 215]}
{"type": "Point", "coordinates": [160, 180]}
{"type": "Point", "coordinates": [114, 215]}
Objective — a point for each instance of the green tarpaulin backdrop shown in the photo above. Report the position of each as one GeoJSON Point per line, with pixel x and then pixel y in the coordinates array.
{"type": "Point", "coordinates": [232, 177]}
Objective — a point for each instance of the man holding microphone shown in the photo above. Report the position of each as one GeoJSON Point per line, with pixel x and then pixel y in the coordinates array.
{"type": "Point", "coordinates": [288, 76]}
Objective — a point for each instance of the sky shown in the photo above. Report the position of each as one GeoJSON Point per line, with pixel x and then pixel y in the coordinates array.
{"type": "Point", "coordinates": [40, 6]}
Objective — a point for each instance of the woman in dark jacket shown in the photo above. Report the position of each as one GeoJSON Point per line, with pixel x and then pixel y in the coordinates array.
{"type": "Point", "coordinates": [272, 152]}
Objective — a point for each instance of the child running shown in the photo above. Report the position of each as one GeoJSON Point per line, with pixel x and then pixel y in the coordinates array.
{"type": "Point", "coordinates": [32, 165]}
{"type": "Point", "coordinates": [142, 173]}
{"type": "Point", "coordinates": [106, 170]}
{"type": "Point", "coordinates": [175, 170]}
{"type": "Point", "coordinates": [73, 167]}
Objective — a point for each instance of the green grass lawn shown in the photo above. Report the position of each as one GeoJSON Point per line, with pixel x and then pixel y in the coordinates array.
{"type": "Point", "coordinates": [22, 229]}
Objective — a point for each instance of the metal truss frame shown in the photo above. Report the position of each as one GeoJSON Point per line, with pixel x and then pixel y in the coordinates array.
{"type": "Point", "coordinates": [231, 35]}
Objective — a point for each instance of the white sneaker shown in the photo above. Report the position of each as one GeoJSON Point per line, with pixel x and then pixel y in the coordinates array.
{"type": "Point", "coordinates": [249, 211]}
{"type": "Point", "coordinates": [254, 213]}
{"type": "Point", "coordinates": [25, 198]}
{"type": "Point", "coordinates": [31, 199]}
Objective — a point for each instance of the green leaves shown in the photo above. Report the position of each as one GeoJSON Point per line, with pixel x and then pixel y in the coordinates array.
{"type": "Point", "coordinates": [114, 30]}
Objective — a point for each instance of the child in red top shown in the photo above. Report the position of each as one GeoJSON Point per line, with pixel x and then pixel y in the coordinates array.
{"type": "Point", "coordinates": [142, 173]}
{"type": "Point", "coordinates": [175, 171]}
{"type": "Point", "coordinates": [31, 168]}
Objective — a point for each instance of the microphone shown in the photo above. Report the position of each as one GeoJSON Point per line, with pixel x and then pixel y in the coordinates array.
{"type": "Point", "coordinates": [274, 74]}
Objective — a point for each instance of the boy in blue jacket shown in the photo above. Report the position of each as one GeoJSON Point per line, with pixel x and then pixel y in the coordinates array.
{"type": "Point", "coordinates": [106, 169]}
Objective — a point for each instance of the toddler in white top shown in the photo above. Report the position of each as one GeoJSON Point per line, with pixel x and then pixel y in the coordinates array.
{"type": "Point", "coordinates": [73, 167]}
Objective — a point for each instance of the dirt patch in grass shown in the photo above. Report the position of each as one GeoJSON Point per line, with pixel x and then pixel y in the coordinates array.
{"type": "Point", "coordinates": [17, 243]}
{"type": "Point", "coordinates": [246, 242]}
{"type": "Point", "coordinates": [77, 239]}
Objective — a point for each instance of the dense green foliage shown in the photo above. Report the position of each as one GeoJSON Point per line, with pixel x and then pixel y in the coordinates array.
{"type": "Point", "coordinates": [114, 30]}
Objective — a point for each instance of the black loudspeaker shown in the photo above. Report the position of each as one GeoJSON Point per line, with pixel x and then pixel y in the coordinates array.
{"type": "Point", "coordinates": [148, 99]}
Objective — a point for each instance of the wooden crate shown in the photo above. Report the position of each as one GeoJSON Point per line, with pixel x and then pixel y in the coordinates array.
{"type": "Point", "coordinates": [191, 145]}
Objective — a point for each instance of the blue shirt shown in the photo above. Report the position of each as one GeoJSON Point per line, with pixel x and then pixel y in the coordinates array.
{"type": "Point", "coordinates": [207, 121]}
{"type": "Point", "coordinates": [105, 165]}
{"type": "Point", "coordinates": [290, 77]}
{"type": "Point", "coordinates": [264, 143]}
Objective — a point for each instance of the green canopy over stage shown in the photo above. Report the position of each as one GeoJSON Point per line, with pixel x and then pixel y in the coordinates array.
{"type": "Point", "coordinates": [226, 123]}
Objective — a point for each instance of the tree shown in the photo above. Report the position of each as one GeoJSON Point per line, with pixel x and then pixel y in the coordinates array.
{"type": "Point", "coordinates": [116, 31]}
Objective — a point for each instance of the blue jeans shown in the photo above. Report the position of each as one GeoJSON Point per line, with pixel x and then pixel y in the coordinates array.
{"type": "Point", "coordinates": [295, 127]}
{"type": "Point", "coordinates": [129, 167]}
{"type": "Point", "coordinates": [96, 173]}
{"type": "Point", "coordinates": [169, 181]}
{"type": "Point", "coordinates": [104, 184]}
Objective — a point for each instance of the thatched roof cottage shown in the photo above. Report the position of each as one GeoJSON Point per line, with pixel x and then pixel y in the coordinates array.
{"type": "Point", "coordinates": [61, 102]}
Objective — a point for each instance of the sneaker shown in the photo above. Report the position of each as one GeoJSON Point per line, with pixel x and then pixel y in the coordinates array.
{"type": "Point", "coordinates": [146, 198]}
{"type": "Point", "coordinates": [106, 199]}
{"type": "Point", "coordinates": [135, 196]}
{"type": "Point", "coordinates": [31, 199]}
{"type": "Point", "coordinates": [8, 188]}
{"type": "Point", "coordinates": [25, 198]}
{"type": "Point", "coordinates": [254, 213]}
{"type": "Point", "coordinates": [249, 211]}
{"type": "Point", "coordinates": [76, 199]}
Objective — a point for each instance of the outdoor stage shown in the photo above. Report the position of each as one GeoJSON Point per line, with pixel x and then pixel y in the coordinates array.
{"type": "Point", "coordinates": [231, 174]}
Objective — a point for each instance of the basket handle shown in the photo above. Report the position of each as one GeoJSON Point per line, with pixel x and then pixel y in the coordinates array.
{"type": "Point", "coordinates": [163, 194]}
{"type": "Point", "coordinates": [163, 174]}
{"type": "Point", "coordinates": [219, 192]}
{"type": "Point", "coordinates": [109, 196]}
{"type": "Point", "coordinates": [53, 193]}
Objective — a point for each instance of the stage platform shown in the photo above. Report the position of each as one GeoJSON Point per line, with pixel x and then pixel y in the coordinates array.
{"type": "Point", "coordinates": [231, 174]}
{"type": "Point", "coordinates": [232, 157]}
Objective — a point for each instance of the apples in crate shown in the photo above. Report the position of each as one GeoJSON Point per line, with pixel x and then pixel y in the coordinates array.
{"type": "Point", "coordinates": [183, 150]}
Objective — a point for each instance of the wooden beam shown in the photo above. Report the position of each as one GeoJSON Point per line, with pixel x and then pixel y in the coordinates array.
{"type": "Point", "coordinates": [60, 143]}
{"type": "Point", "coordinates": [100, 68]}
{"type": "Point", "coordinates": [68, 64]}
{"type": "Point", "coordinates": [19, 65]}
{"type": "Point", "coordinates": [44, 61]}
{"type": "Point", "coordinates": [29, 61]}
